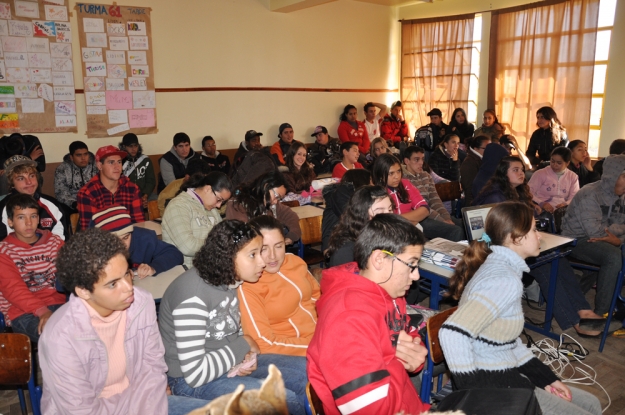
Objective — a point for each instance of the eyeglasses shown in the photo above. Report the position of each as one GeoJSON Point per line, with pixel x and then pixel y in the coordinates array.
{"type": "Point", "coordinates": [220, 200]}
{"type": "Point", "coordinates": [412, 267]}
{"type": "Point", "coordinates": [276, 194]}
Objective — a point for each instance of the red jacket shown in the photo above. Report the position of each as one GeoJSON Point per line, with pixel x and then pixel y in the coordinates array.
{"type": "Point", "coordinates": [361, 136]}
{"type": "Point", "coordinates": [27, 282]}
{"type": "Point", "coordinates": [393, 130]}
{"type": "Point", "coordinates": [351, 359]}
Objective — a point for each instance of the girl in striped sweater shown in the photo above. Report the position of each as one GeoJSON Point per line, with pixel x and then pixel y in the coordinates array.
{"type": "Point", "coordinates": [481, 339]}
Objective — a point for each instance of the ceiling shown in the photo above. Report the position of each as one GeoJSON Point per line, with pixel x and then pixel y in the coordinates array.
{"type": "Point", "coordinates": [288, 6]}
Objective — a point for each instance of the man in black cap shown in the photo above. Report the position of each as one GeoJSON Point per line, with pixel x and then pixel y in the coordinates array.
{"type": "Point", "coordinates": [280, 147]}
{"type": "Point", "coordinates": [252, 142]}
{"type": "Point", "coordinates": [138, 167]}
{"type": "Point", "coordinates": [431, 135]}
{"type": "Point", "coordinates": [324, 150]}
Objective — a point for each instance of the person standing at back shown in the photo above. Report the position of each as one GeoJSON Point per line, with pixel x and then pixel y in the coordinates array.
{"type": "Point", "coordinates": [174, 163]}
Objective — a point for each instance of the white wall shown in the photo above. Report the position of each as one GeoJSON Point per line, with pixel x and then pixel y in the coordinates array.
{"type": "Point", "coordinates": [240, 43]}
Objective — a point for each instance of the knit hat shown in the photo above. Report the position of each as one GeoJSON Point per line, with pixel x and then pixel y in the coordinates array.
{"type": "Point", "coordinates": [104, 152]}
{"type": "Point", "coordinates": [319, 129]}
{"type": "Point", "coordinates": [115, 219]}
{"type": "Point", "coordinates": [130, 139]}
{"type": "Point", "coordinates": [17, 160]}
{"type": "Point", "coordinates": [283, 127]}
{"type": "Point", "coordinates": [435, 111]}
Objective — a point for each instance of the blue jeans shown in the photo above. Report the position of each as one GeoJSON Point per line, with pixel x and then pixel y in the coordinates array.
{"type": "Point", "coordinates": [28, 324]}
{"type": "Point", "coordinates": [182, 405]}
{"type": "Point", "coordinates": [609, 258]}
{"type": "Point", "coordinates": [293, 369]}
{"type": "Point", "coordinates": [569, 298]}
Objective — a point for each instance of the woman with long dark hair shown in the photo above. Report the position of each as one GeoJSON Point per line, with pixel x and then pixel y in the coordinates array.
{"type": "Point", "coordinates": [350, 129]}
{"type": "Point", "coordinates": [580, 163]}
{"type": "Point", "coordinates": [300, 176]}
{"type": "Point", "coordinates": [461, 127]}
{"type": "Point", "coordinates": [262, 197]}
{"type": "Point", "coordinates": [481, 339]}
{"type": "Point", "coordinates": [444, 160]}
{"type": "Point", "coordinates": [508, 183]}
{"type": "Point", "coordinates": [491, 127]}
{"type": "Point", "coordinates": [367, 202]}
{"type": "Point", "coordinates": [191, 215]}
{"type": "Point", "coordinates": [549, 135]}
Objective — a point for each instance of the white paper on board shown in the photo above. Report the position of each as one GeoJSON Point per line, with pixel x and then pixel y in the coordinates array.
{"type": "Point", "coordinates": [5, 11]}
{"type": "Point", "coordinates": [3, 72]}
{"type": "Point", "coordinates": [95, 98]}
{"type": "Point", "coordinates": [91, 25]}
{"type": "Point", "coordinates": [40, 75]}
{"type": "Point", "coordinates": [31, 106]}
{"type": "Point", "coordinates": [64, 93]}
{"type": "Point", "coordinates": [25, 90]}
{"type": "Point", "coordinates": [64, 107]}
{"type": "Point", "coordinates": [116, 57]}
{"type": "Point", "coordinates": [63, 78]}
{"type": "Point", "coordinates": [92, 55]}
{"type": "Point", "coordinates": [95, 69]}
{"type": "Point", "coordinates": [96, 109]}
{"type": "Point", "coordinates": [113, 84]}
{"type": "Point", "coordinates": [140, 71]}
{"type": "Point", "coordinates": [16, 60]}
{"type": "Point", "coordinates": [37, 45]}
{"type": "Point", "coordinates": [26, 9]}
{"type": "Point", "coordinates": [137, 57]}
{"type": "Point", "coordinates": [118, 129]}
{"type": "Point", "coordinates": [143, 99]}
{"type": "Point", "coordinates": [116, 71]}
{"type": "Point", "coordinates": [7, 105]}
{"type": "Point", "coordinates": [46, 92]}
{"type": "Point", "coordinates": [138, 42]}
{"type": "Point", "coordinates": [96, 40]}
{"type": "Point", "coordinates": [118, 116]}
{"type": "Point", "coordinates": [116, 29]}
{"type": "Point", "coordinates": [118, 43]}
{"type": "Point", "coordinates": [14, 44]}
{"type": "Point", "coordinates": [20, 28]}
{"type": "Point", "coordinates": [18, 75]}
{"type": "Point", "coordinates": [56, 13]}
{"type": "Point", "coordinates": [136, 29]}
{"type": "Point", "coordinates": [41, 28]}
{"type": "Point", "coordinates": [61, 50]}
{"type": "Point", "coordinates": [62, 65]}
{"type": "Point", "coordinates": [93, 84]}
{"type": "Point", "coordinates": [63, 32]}
{"type": "Point", "coordinates": [4, 28]}
{"type": "Point", "coordinates": [39, 60]}
{"type": "Point", "coordinates": [65, 120]}
{"type": "Point", "coordinates": [137, 84]}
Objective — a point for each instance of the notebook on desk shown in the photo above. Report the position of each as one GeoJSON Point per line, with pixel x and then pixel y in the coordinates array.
{"type": "Point", "coordinates": [475, 220]}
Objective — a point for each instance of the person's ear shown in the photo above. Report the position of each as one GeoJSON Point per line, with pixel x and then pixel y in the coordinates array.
{"type": "Point", "coordinates": [99, 165]}
{"type": "Point", "coordinates": [82, 293]}
{"type": "Point", "coordinates": [376, 259]}
{"type": "Point", "coordinates": [10, 223]}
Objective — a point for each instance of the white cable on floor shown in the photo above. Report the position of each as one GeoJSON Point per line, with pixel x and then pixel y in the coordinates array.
{"type": "Point", "coordinates": [559, 360]}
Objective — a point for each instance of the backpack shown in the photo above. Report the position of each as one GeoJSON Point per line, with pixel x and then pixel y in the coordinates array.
{"type": "Point", "coordinates": [424, 138]}
{"type": "Point", "coordinates": [254, 164]}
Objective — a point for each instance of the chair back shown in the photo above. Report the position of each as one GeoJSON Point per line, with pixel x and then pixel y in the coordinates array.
{"type": "Point", "coordinates": [448, 191]}
{"type": "Point", "coordinates": [316, 407]}
{"type": "Point", "coordinates": [15, 359]}
{"type": "Point", "coordinates": [153, 210]}
{"type": "Point", "coordinates": [311, 230]}
{"type": "Point", "coordinates": [73, 219]}
{"type": "Point", "coordinates": [433, 327]}
{"type": "Point", "coordinates": [291, 203]}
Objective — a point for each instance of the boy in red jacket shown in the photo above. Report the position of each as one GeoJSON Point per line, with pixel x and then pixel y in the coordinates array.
{"type": "Point", "coordinates": [27, 260]}
{"type": "Point", "coordinates": [364, 346]}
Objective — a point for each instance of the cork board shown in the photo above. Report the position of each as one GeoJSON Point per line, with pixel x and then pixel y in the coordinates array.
{"type": "Point", "coordinates": [117, 67]}
{"type": "Point", "coordinates": [36, 68]}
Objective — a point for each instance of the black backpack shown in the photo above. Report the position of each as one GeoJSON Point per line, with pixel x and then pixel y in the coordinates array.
{"type": "Point", "coordinates": [254, 164]}
{"type": "Point", "coordinates": [424, 138]}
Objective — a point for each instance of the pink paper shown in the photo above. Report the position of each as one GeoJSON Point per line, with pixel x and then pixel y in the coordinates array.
{"type": "Point", "coordinates": [140, 118]}
{"type": "Point", "coordinates": [119, 100]}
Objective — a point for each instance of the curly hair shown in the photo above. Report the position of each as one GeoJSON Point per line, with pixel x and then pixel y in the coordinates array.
{"type": "Point", "coordinates": [82, 259]}
{"type": "Point", "coordinates": [300, 178]}
{"type": "Point", "coordinates": [355, 217]}
{"type": "Point", "coordinates": [255, 198]}
{"type": "Point", "coordinates": [381, 167]}
{"type": "Point", "coordinates": [215, 259]}
{"type": "Point", "coordinates": [521, 193]}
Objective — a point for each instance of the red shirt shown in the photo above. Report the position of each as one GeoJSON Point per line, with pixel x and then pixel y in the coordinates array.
{"type": "Point", "coordinates": [340, 169]}
{"type": "Point", "coordinates": [361, 136]}
{"type": "Point", "coordinates": [416, 200]}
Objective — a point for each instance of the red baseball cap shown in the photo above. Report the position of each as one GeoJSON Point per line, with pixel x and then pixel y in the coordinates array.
{"type": "Point", "coordinates": [104, 152]}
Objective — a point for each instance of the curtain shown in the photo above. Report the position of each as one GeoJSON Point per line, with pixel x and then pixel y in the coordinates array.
{"type": "Point", "coordinates": [542, 54]}
{"type": "Point", "coordinates": [435, 66]}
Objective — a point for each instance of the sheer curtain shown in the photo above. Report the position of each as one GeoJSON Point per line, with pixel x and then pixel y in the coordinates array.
{"type": "Point", "coordinates": [542, 54]}
{"type": "Point", "coordinates": [436, 66]}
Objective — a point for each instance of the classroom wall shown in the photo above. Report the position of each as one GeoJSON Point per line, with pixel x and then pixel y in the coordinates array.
{"type": "Point", "coordinates": [345, 46]}
{"type": "Point", "coordinates": [613, 122]}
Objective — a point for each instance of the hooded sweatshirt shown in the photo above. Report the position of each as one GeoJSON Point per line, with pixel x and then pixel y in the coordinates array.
{"type": "Point", "coordinates": [596, 206]}
{"type": "Point", "coordinates": [69, 178]}
{"type": "Point", "coordinates": [351, 358]}
{"type": "Point", "coordinates": [51, 216]}
{"type": "Point", "coordinates": [492, 156]}
{"type": "Point", "coordinates": [140, 171]}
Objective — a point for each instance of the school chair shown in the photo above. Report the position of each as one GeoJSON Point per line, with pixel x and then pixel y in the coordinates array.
{"type": "Point", "coordinates": [313, 405]}
{"type": "Point", "coordinates": [311, 235]}
{"type": "Point", "coordinates": [73, 219]}
{"type": "Point", "coordinates": [435, 354]}
{"type": "Point", "coordinates": [153, 210]}
{"type": "Point", "coordinates": [450, 192]}
{"type": "Point", "coordinates": [17, 368]}
{"type": "Point", "coordinates": [291, 203]}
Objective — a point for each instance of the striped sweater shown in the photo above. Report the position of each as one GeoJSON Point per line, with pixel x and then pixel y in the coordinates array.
{"type": "Point", "coordinates": [278, 311]}
{"type": "Point", "coordinates": [201, 329]}
{"type": "Point", "coordinates": [28, 275]}
{"type": "Point", "coordinates": [481, 339]}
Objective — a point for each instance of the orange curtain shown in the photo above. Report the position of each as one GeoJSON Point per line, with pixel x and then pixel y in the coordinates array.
{"type": "Point", "coordinates": [543, 54]}
{"type": "Point", "coordinates": [435, 66]}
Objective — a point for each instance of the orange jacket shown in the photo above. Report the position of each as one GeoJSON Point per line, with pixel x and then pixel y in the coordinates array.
{"type": "Point", "coordinates": [278, 311]}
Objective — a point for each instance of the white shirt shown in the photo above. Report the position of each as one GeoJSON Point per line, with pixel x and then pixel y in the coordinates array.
{"type": "Point", "coordinates": [373, 128]}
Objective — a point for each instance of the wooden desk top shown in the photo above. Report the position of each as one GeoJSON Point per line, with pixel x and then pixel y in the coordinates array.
{"type": "Point", "coordinates": [158, 284]}
{"type": "Point", "coordinates": [308, 211]}
{"type": "Point", "coordinates": [150, 224]}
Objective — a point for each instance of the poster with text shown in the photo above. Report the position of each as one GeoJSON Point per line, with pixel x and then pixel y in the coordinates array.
{"type": "Point", "coordinates": [36, 68]}
{"type": "Point", "coordinates": [116, 61]}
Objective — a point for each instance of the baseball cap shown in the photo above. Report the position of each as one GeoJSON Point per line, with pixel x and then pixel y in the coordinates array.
{"type": "Point", "coordinates": [319, 129]}
{"type": "Point", "coordinates": [130, 139]}
{"type": "Point", "coordinates": [115, 219]}
{"type": "Point", "coordinates": [396, 104]}
{"type": "Point", "coordinates": [251, 134]}
{"type": "Point", "coordinates": [104, 152]}
{"type": "Point", "coordinates": [17, 160]}
{"type": "Point", "coordinates": [435, 111]}
{"type": "Point", "coordinates": [283, 127]}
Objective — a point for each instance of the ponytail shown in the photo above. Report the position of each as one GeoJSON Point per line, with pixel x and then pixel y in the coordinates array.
{"type": "Point", "coordinates": [472, 259]}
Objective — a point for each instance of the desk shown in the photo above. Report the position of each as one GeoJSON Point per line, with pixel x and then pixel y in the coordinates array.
{"type": "Point", "coordinates": [307, 211]}
{"type": "Point", "coordinates": [549, 244]}
{"type": "Point", "coordinates": [158, 284]}
{"type": "Point", "coordinates": [150, 224]}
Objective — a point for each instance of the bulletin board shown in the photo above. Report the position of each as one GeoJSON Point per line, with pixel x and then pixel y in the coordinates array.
{"type": "Point", "coordinates": [36, 70]}
{"type": "Point", "coordinates": [116, 61]}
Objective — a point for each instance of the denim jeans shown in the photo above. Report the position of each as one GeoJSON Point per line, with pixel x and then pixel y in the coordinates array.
{"type": "Point", "coordinates": [28, 324]}
{"type": "Point", "coordinates": [569, 297]}
{"type": "Point", "coordinates": [609, 258]}
{"type": "Point", "coordinates": [293, 369]}
{"type": "Point", "coordinates": [582, 403]}
{"type": "Point", "coordinates": [437, 229]}
{"type": "Point", "coordinates": [182, 405]}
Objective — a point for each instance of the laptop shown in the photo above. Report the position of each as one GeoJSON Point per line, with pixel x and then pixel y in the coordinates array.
{"type": "Point", "coordinates": [475, 220]}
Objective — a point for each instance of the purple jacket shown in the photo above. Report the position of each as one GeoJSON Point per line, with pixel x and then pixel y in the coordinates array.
{"type": "Point", "coordinates": [74, 363]}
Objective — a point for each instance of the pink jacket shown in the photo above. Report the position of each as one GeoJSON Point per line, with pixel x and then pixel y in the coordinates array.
{"type": "Point", "coordinates": [74, 363]}
{"type": "Point", "coordinates": [546, 187]}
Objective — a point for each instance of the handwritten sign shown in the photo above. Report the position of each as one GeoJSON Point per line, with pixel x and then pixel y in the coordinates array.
{"type": "Point", "coordinates": [117, 71]}
{"type": "Point", "coordinates": [37, 45]}
{"type": "Point", "coordinates": [94, 84]}
{"type": "Point", "coordinates": [97, 40]}
{"type": "Point", "coordinates": [95, 98]}
{"type": "Point", "coordinates": [39, 60]}
{"type": "Point", "coordinates": [119, 100]}
{"type": "Point", "coordinates": [63, 93]}
{"type": "Point", "coordinates": [62, 65]}
{"type": "Point", "coordinates": [61, 50]}
{"type": "Point", "coordinates": [143, 99]}
{"type": "Point", "coordinates": [25, 90]}
{"type": "Point", "coordinates": [63, 32]}
{"type": "Point", "coordinates": [43, 29]}
{"type": "Point", "coordinates": [20, 28]}
{"type": "Point", "coordinates": [18, 75]}
{"type": "Point", "coordinates": [113, 84]}
{"type": "Point", "coordinates": [31, 106]}
{"type": "Point", "coordinates": [16, 60]}
{"type": "Point", "coordinates": [95, 69]}
{"type": "Point", "coordinates": [65, 120]}
{"type": "Point", "coordinates": [141, 118]}
{"type": "Point", "coordinates": [115, 56]}
{"type": "Point", "coordinates": [27, 9]}
{"type": "Point", "coordinates": [116, 29]}
{"type": "Point", "coordinates": [14, 44]}
{"type": "Point", "coordinates": [137, 84]}
{"type": "Point", "coordinates": [56, 13]}
{"type": "Point", "coordinates": [91, 25]}
{"type": "Point", "coordinates": [40, 75]}
{"type": "Point", "coordinates": [138, 42]}
{"type": "Point", "coordinates": [118, 116]}
{"type": "Point", "coordinates": [137, 58]}
{"type": "Point", "coordinates": [65, 107]}
{"type": "Point", "coordinates": [62, 78]}
{"type": "Point", "coordinates": [118, 43]}
{"type": "Point", "coordinates": [46, 92]}
{"type": "Point", "coordinates": [96, 109]}
{"type": "Point", "coordinates": [5, 11]}
{"type": "Point", "coordinates": [92, 54]}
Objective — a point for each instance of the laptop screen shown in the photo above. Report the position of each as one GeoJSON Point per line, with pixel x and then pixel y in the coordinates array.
{"type": "Point", "coordinates": [475, 220]}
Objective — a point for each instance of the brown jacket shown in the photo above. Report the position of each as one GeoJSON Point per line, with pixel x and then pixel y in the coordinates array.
{"type": "Point", "coordinates": [285, 215]}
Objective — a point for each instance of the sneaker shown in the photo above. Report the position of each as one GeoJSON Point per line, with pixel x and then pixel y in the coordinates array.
{"type": "Point", "coordinates": [619, 333]}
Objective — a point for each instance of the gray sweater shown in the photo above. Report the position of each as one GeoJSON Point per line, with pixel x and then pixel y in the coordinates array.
{"type": "Point", "coordinates": [201, 329]}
